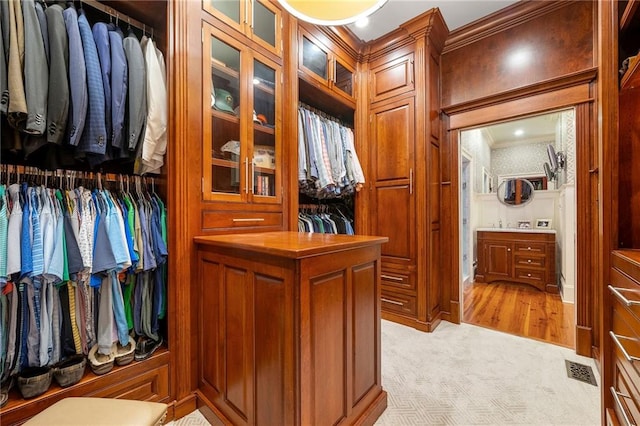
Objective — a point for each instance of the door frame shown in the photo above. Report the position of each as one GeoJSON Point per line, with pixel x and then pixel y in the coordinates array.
{"type": "Point", "coordinates": [578, 94]}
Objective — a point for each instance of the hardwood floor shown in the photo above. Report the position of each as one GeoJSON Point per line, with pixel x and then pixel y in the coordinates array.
{"type": "Point", "coordinates": [521, 310]}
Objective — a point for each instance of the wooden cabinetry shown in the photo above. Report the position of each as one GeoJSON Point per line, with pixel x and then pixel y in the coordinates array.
{"type": "Point", "coordinates": [404, 168]}
{"type": "Point", "coordinates": [326, 64]}
{"type": "Point", "coordinates": [389, 78]}
{"type": "Point", "coordinates": [242, 101]}
{"type": "Point", "coordinates": [161, 377]}
{"type": "Point", "coordinates": [524, 257]}
{"type": "Point", "coordinates": [620, 23]}
{"type": "Point", "coordinates": [289, 328]}
{"type": "Point", "coordinates": [624, 290]}
{"type": "Point", "coordinates": [258, 20]}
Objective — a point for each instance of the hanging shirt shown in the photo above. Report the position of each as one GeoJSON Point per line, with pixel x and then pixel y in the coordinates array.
{"type": "Point", "coordinates": [4, 227]}
{"type": "Point", "coordinates": [14, 232]}
{"type": "Point", "coordinates": [155, 136]}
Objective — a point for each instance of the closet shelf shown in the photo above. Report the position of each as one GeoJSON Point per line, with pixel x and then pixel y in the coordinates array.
{"type": "Point", "coordinates": [629, 14]}
{"type": "Point", "coordinates": [631, 78]}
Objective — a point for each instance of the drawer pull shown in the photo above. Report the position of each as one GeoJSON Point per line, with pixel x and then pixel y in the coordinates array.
{"type": "Point", "coordinates": [528, 260]}
{"type": "Point", "coordinates": [389, 277]}
{"type": "Point", "coordinates": [616, 340]}
{"type": "Point", "coordinates": [393, 302]}
{"type": "Point", "coordinates": [616, 398]}
{"type": "Point", "coordinates": [528, 248]}
{"type": "Point", "coordinates": [618, 293]}
{"type": "Point", "coordinates": [528, 275]}
{"type": "Point", "coordinates": [255, 219]}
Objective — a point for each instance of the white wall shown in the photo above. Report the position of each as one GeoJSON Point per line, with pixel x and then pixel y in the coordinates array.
{"type": "Point", "coordinates": [490, 210]}
{"type": "Point", "coordinates": [566, 243]}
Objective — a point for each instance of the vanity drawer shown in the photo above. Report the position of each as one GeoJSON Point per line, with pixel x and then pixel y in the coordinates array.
{"type": "Point", "coordinates": [529, 261]}
{"type": "Point", "coordinates": [530, 274]}
{"type": "Point", "coordinates": [398, 303]}
{"type": "Point", "coordinates": [529, 247]}
{"type": "Point", "coordinates": [398, 280]}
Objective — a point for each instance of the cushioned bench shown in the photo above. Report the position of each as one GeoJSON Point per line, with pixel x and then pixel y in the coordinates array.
{"type": "Point", "coordinates": [101, 412]}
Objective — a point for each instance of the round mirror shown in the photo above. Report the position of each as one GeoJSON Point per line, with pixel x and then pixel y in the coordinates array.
{"type": "Point", "coordinates": [515, 192]}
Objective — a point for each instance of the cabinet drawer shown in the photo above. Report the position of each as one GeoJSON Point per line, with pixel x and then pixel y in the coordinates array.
{"type": "Point", "coordinates": [152, 385]}
{"type": "Point", "coordinates": [526, 247]}
{"type": "Point", "coordinates": [397, 280]}
{"type": "Point", "coordinates": [625, 402]}
{"type": "Point", "coordinates": [398, 303]}
{"type": "Point", "coordinates": [530, 274]}
{"type": "Point", "coordinates": [530, 261]}
{"type": "Point", "coordinates": [215, 220]}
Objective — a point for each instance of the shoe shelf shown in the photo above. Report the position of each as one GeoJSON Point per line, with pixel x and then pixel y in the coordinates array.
{"type": "Point", "coordinates": [146, 380]}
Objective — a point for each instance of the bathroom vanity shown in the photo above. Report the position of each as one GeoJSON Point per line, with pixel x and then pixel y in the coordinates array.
{"type": "Point", "coordinates": [515, 255]}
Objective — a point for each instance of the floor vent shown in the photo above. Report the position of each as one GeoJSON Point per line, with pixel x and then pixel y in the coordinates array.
{"type": "Point", "coordinates": [581, 372]}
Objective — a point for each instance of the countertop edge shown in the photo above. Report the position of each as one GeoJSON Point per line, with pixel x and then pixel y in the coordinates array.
{"type": "Point", "coordinates": [324, 245]}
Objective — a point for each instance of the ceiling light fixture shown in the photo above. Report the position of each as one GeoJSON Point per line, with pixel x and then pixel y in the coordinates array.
{"type": "Point", "coordinates": [362, 22]}
{"type": "Point", "coordinates": [519, 132]}
{"type": "Point", "coordinates": [331, 12]}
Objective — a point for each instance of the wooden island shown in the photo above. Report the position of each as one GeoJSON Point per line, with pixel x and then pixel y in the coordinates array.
{"type": "Point", "coordinates": [289, 328]}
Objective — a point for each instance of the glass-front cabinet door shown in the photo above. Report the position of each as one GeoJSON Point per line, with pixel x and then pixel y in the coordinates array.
{"type": "Point", "coordinates": [260, 20]}
{"type": "Point", "coordinates": [241, 122]}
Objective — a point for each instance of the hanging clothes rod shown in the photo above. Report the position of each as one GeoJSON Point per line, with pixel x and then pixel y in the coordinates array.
{"type": "Point", "coordinates": [119, 16]}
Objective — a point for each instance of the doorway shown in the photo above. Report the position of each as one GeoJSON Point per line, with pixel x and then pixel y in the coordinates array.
{"type": "Point", "coordinates": [540, 149]}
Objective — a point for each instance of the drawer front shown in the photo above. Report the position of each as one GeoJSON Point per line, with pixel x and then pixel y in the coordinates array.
{"type": "Point", "coordinates": [399, 303]}
{"type": "Point", "coordinates": [395, 279]}
{"type": "Point", "coordinates": [231, 220]}
{"type": "Point", "coordinates": [530, 261]}
{"type": "Point", "coordinates": [152, 385]}
{"type": "Point", "coordinates": [625, 401]}
{"type": "Point", "coordinates": [530, 274]}
{"type": "Point", "coordinates": [530, 247]}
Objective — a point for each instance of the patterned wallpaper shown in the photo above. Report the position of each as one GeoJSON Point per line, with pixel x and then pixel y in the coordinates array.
{"type": "Point", "coordinates": [520, 159]}
{"type": "Point", "coordinates": [473, 141]}
{"type": "Point", "coordinates": [567, 144]}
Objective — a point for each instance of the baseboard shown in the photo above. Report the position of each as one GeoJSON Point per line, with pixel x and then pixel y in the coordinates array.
{"type": "Point", "coordinates": [584, 337]}
{"type": "Point", "coordinates": [185, 406]}
{"type": "Point", "coordinates": [374, 411]}
{"type": "Point", "coordinates": [414, 323]}
{"type": "Point", "coordinates": [210, 412]}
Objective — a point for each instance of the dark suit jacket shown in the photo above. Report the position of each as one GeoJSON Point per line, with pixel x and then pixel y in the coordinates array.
{"type": "Point", "coordinates": [36, 71]}
{"type": "Point", "coordinates": [58, 105]}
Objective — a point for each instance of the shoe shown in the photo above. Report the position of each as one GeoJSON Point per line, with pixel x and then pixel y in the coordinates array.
{"type": "Point", "coordinates": [5, 387]}
{"type": "Point", "coordinates": [124, 354]}
{"type": "Point", "coordinates": [70, 371]}
{"type": "Point", "coordinates": [100, 363]}
{"type": "Point", "coordinates": [146, 347]}
{"type": "Point", "coordinates": [34, 381]}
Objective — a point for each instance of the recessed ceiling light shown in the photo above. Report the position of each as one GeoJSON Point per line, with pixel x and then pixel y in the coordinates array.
{"type": "Point", "coordinates": [519, 132]}
{"type": "Point", "coordinates": [362, 22]}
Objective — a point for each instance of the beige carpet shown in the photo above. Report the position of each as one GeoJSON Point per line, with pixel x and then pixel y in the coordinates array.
{"type": "Point", "coordinates": [467, 375]}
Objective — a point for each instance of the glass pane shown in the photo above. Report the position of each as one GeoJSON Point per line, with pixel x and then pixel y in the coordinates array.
{"type": "Point", "coordinates": [344, 79]}
{"type": "Point", "coordinates": [230, 8]}
{"type": "Point", "coordinates": [264, 139]}
{"type": "Point", "coordinates": [264, 23]}
{"type": "Point", "coordinates": [314, 59]}
{"type": "Point", "coordinates": [225, 125]}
